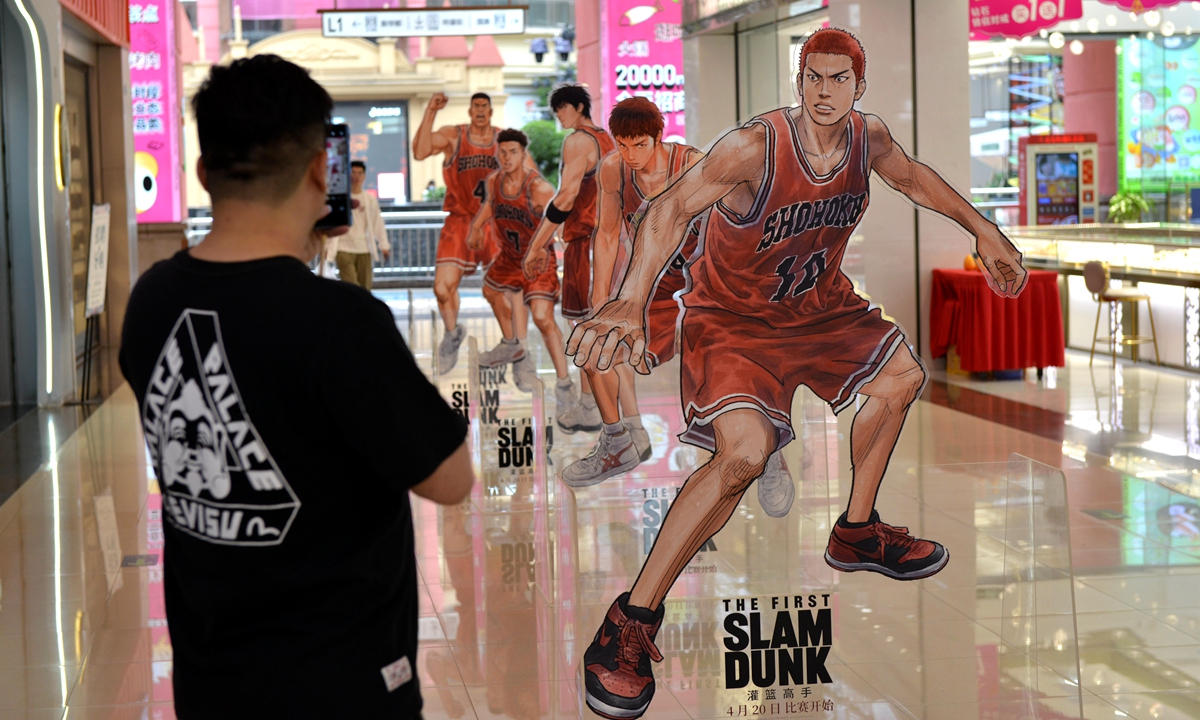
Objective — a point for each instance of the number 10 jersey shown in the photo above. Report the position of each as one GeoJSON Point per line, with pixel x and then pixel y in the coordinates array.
{"type": "Point", "coordinates": [781, 262]}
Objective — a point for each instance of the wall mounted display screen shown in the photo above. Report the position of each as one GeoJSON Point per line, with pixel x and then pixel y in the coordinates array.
{"type": "Point", "coordinates": [379, 137]}
{"type": "Point", "coordinates": [1158, 141]}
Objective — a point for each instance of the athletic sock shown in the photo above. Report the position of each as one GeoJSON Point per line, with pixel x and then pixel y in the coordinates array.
{"type": "Point", "coordinates": [634, 421]}
{"type": "Point", "coordinates": [565, 382]}
{"type": "Point", "coordinates": [842, 521]}
{"type": "Point", "coordinates": [614, 428]}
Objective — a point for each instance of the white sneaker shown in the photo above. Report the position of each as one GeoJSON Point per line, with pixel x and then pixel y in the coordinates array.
{"type": "Point", "coordinates": [641, 440]}
{"type": "Point", "coordinates": [776, 491]}
{"type": "Point", "coordinates": [448, 349]}
{"type": "Point", "coordinates": [524, 374]}
{"type": "Point", "coordinates": [613, 455]}
{"type": "Point", "coordinates": [564, 399]}
{"type": "Point", "coordinates": [505, 352]}
{"type": "Point", "coordinates": [580, 418]}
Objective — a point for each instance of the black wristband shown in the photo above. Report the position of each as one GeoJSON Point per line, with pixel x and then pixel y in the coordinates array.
{"type": "Point", "coordinates": [555, 215]}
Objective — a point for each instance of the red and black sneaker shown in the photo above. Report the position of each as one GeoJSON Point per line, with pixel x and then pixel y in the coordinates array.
{"type": "Point", "coordinates": [617, 672]}
{"type": "Point", "coordinates": [883, 548]}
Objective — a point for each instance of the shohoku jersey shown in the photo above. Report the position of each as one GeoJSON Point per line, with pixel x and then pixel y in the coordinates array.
{"type": "Point", "coordinates": [465, 171]}
{"type": "Point", "coordinates": [634, 204]}
{"type": "Point", "coordinates": [781, 262]}
{"type": "Point", "coordinates": [581, 222]}
{"type": "Point", "coordinates": [513, 216]}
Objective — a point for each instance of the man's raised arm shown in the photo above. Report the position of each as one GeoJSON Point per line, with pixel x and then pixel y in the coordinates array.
{"type": "Point", "coordinates": [738, 157]}
{"type": "Point", "coordinates": [926, 188]}
{"type": "Point", "coordinates": [427, 142]}
{"type": "Point", "coordinates": [579, 154]}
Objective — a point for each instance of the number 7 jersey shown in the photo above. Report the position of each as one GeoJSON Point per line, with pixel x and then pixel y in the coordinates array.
{"type": "Point", "coordinates": [781, 262]}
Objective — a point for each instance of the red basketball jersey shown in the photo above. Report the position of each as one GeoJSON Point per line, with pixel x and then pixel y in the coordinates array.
{"type": "Point", "coordinates": [633, 208]}
{"type": "Point", "coordinates": [781, 263]}
{"type": "Point", "coordinates": [581, 222]}
{"type": "Point", "coordinates": [465, 172]}
{"type": "Point", "coordinates": [513, 216]}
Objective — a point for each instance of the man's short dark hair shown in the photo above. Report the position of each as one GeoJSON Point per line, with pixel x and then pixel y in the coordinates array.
{"type": "Point", "coordinates": [261, 120]}
{"type": "Point", "coordinates": [482, 96]}
{"type": "Point", "coordinates": [574, 95]}
{"type": "Point", "coordinates": [511, 135]}
{"type": "Point", "coordinates": [358, 164]}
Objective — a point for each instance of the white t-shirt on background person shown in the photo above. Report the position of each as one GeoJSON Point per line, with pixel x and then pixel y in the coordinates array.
{"type": "Point", "coordinates": [367, 233]}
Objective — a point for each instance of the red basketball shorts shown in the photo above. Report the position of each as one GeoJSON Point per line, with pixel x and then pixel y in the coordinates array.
{"type": "Point", "coordinates": [505, 274]}
{"type": "Point", "coordinates": [577, 278]}
{"type": "Point", "coordinates": [662, 325]}
{"type": "Point", "coordinates": [732, 362]}
{"type": "Point", "coordinates": [452, 245]}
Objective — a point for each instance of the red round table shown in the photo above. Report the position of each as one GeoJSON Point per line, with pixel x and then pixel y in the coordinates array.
{"type": "Point", "coordinates": [994, 333]}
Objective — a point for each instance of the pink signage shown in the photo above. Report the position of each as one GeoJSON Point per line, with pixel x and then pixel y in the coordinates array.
{"type": "Point", "coordinates": [156, 121]}
{"type": "Point", "coordinates": [642, 55]}
{"type": "Point", "coordinates": [1139, 6]}
{"type": "Point", "coordinates": [1019, 18]}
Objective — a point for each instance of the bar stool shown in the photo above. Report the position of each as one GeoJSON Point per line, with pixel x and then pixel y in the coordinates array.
{"type": "Point", "coordinates": [1095, 276]}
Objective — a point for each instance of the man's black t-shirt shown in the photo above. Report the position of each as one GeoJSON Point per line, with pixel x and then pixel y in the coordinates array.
{"type": "Point", "coordinates": [286, 421]}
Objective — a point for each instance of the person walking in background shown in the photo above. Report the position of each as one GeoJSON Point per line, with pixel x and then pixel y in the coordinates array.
{"type": "Point", "coordinates": [357, 251]}
{"type": "Point", "coordinates": [287, 423]}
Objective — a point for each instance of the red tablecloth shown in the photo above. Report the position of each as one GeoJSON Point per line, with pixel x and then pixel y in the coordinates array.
{"type": "Point", "coordinates": [995, 333]}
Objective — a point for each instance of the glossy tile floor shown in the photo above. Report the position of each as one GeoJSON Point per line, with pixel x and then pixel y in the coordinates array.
{"type": "Point", "coordinates": [1073, 588]}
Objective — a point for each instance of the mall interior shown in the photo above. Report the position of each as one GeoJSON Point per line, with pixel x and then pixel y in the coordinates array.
{"type": "Point", "coordinates": [1059, 468]}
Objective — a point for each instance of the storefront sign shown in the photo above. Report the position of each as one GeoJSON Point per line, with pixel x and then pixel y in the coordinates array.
{"type": "Point", "coordinates": [424, 23]}
{"type": "Point", "coordinates": [156, 127]}
{"type": "Point", "coordinates": [1019, 18]}
{"type": "Point", "coordinates": [1158, 120]}
{"type": "Point", "coordinates": [643, 56]}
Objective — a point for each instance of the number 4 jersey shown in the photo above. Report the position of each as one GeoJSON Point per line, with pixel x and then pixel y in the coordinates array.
{"type": "Point", "coordinates": [781, 262]}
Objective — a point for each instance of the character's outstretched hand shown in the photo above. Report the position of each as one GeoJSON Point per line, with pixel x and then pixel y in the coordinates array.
{"type": "Point", "coordinates": [594, 341]}
{"type": "Point", "coordinates": [1001, 261]}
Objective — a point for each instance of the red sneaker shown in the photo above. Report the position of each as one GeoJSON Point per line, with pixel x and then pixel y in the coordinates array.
{"type": "Point", "coordinates": [884, 549]}
{"type": "Point", "coordinates": [617, 672]}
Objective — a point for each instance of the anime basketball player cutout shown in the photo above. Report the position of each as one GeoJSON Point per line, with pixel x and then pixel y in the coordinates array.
{"type": "Point", "coordinates": [514, 199]}
{"type": "Point", "coordinates": [642, 167]}
{"type": "Point", "coordinates": [470, 156]}
{"type": "Point", "coordinates": [574, 207]}
{"type": "Point", "coordinates": [768, 309]}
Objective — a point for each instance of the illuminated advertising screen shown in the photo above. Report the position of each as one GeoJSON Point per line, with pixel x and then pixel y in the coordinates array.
{"type": "Point", "coordinates": [1158, 140]}
{"type": "Point", "coordinates": [155, 97]}
{"type": "Point", "coordinates": [379, 137]}
{"type": "Point", "coordinates": [643, 56]}
{"type": "Point", "coordinates": [1163, 526]}
{"type": "Point", "coordinates": [1057, 188]}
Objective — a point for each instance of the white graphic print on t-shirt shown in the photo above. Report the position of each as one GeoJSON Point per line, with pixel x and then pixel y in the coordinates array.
{"type": "Point", "coordinates": [219, 481]}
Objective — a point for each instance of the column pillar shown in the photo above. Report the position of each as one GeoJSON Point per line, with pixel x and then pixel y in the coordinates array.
{"type": "Point", "coordinates": [922, 96]}
{"type": "Point", "coordinates": [1090, 103]}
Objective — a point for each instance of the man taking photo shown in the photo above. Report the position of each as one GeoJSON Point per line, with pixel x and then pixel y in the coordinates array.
{"type": "Point", "coordinates": [285, 469]}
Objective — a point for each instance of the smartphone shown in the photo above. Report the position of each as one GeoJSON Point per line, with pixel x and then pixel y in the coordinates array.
{"type": "Point", "coordinates": [337, 177]}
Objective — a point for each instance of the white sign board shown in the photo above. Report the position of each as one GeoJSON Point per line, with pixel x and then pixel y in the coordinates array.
{"type": "Point", "coordinates": [97, 277]}
{"type": "Point", "coordinates": [424, 22]}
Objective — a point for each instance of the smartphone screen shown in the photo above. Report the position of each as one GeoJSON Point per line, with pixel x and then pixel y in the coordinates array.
{"type": "Point", "coordinates": [337, 177]}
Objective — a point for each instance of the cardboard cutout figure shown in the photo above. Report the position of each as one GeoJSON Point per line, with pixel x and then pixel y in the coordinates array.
{"type": "Point", "coordinates": [767, 309]}
{"type": "Point", "coordinates": [574, 208]}
{"type": "Point", "coordinates": [515, 199]}
{"type": "Point", "coordinates": [471, 154]}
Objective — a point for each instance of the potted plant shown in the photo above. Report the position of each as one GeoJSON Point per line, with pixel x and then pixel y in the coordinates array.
{"type": "Point", "coordinates": [1126, 207]}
